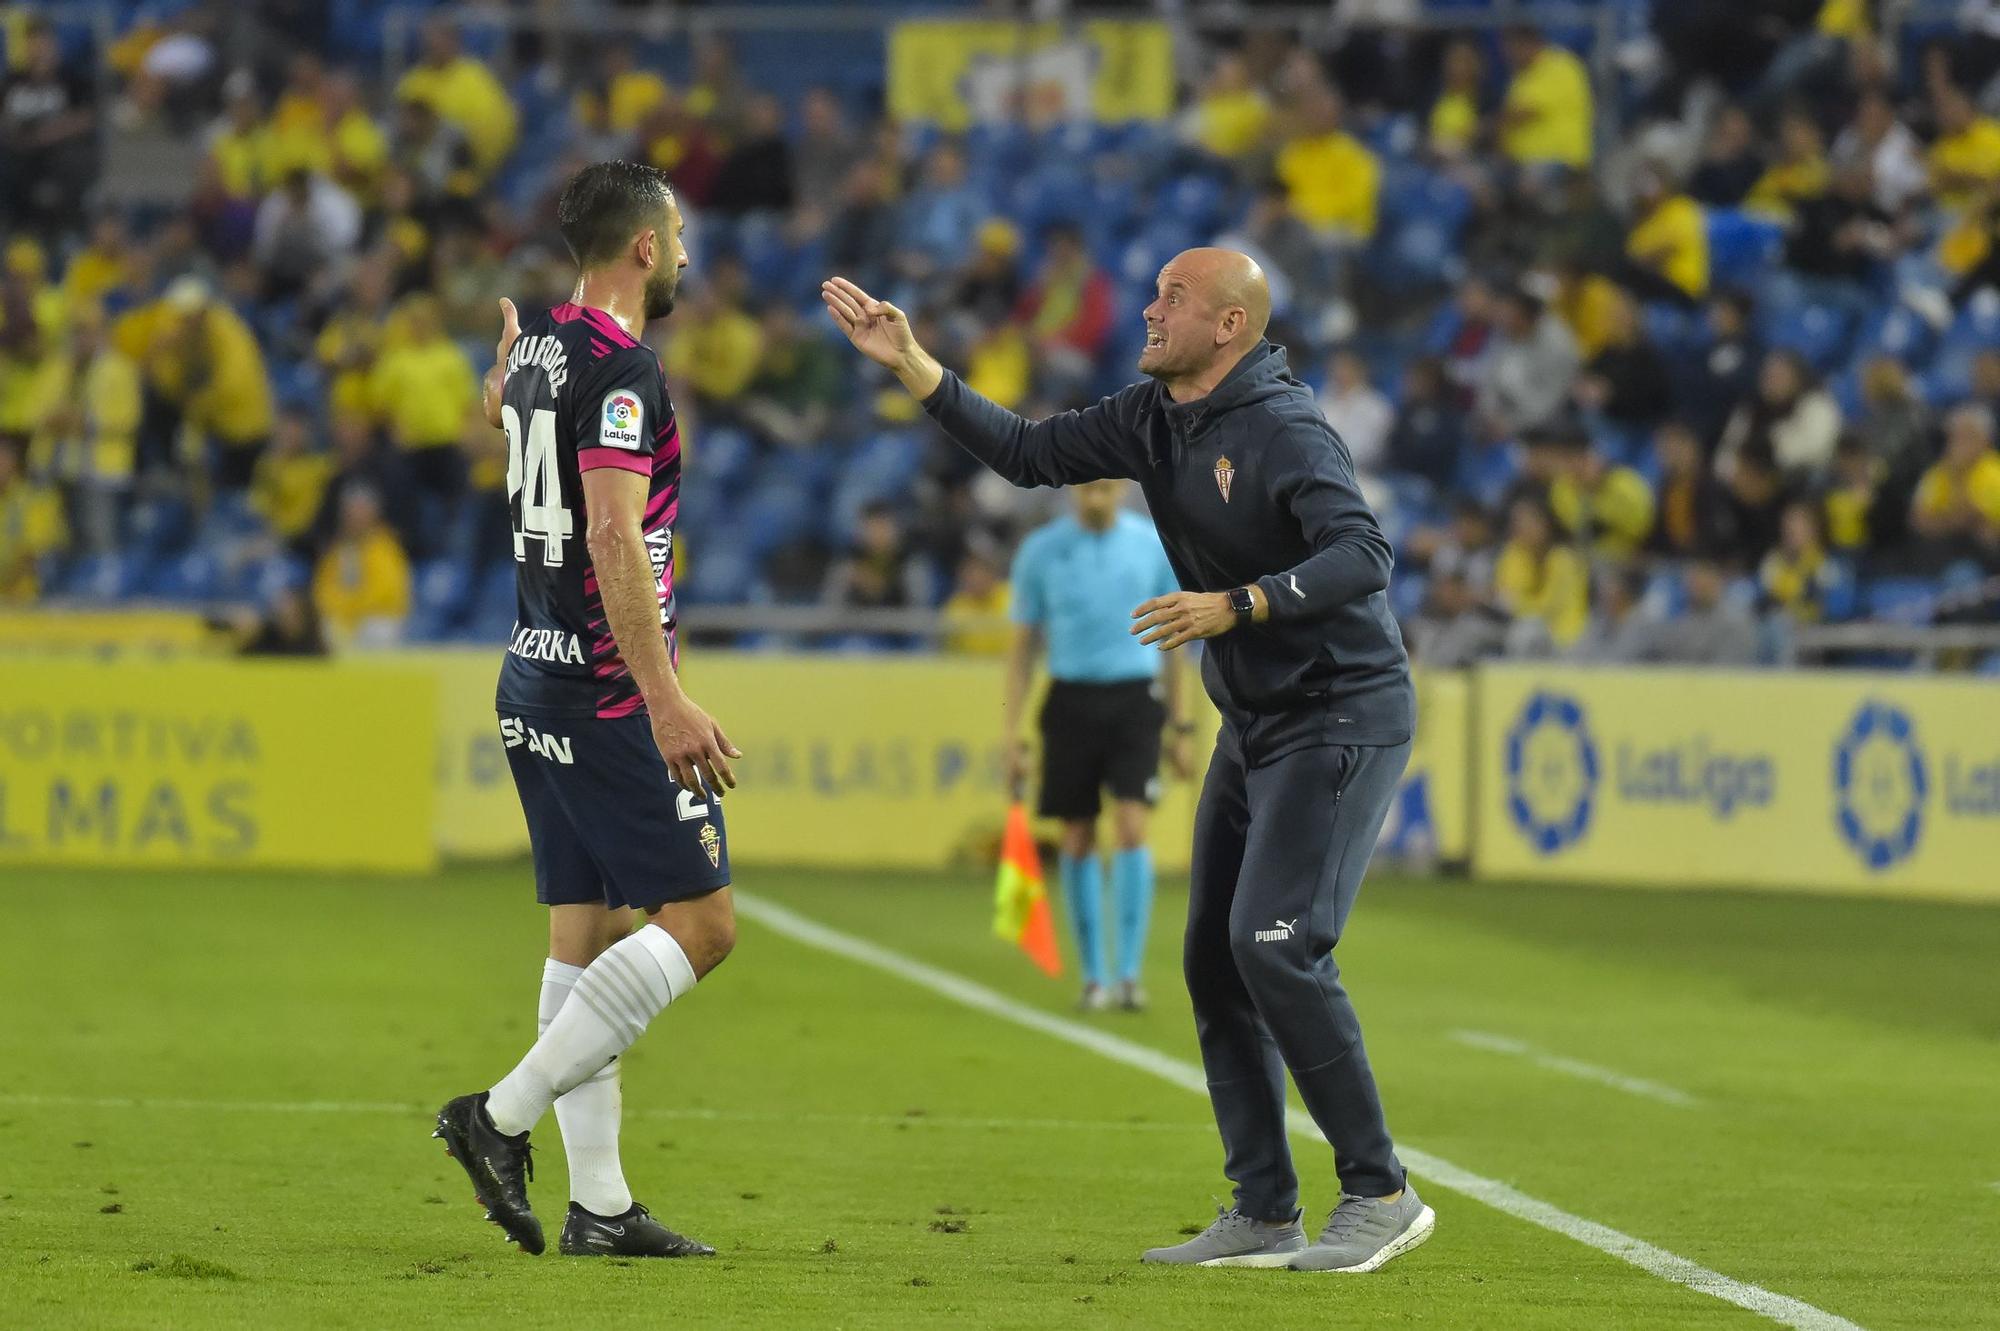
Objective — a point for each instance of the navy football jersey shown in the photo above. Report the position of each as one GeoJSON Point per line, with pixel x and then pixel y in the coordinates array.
{"type": "Point", "coordinates": [580, 393]}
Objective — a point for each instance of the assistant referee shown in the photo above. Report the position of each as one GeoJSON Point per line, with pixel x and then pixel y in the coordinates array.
{"type": "Point", "coordinates": [1284, 571]}
{"type": "Point", "coordinates": [1075, 582]}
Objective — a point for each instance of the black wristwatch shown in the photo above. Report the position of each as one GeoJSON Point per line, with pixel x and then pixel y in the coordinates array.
{"type": "Point", "coordinates": [1242, 603]}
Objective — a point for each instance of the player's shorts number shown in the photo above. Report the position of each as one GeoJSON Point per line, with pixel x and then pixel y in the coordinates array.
{"type": "Point", "coordinates": [534, 485]}
{"type": "Point", "coordinates": [686, 807]}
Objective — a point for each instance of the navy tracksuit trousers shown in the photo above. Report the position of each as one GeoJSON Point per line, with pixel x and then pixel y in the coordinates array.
{"type": "Point", "coordinates": [1279, 851]}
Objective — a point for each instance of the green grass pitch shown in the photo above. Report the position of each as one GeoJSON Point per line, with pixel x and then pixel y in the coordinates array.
{"type": "Point", "coordinates": [215, 1095]}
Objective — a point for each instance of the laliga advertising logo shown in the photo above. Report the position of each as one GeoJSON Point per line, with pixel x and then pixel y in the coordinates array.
{"type": "Point", "coordinates": [1551, 763]}
{"type": "Point", "coordinates": [1879, 785]}
{"type": "Point", "coordinates": [619, 409]}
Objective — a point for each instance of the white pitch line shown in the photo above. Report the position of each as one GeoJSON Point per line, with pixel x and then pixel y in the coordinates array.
{"type": "Point", "coordinates": [1576, 1067]}
{"type": "Point", "coordinates": [920, 1120]}
{"type": "Point", "coordinates": [1779, 1308]}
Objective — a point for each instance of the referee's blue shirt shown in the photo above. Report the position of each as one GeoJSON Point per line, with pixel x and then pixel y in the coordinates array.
{"type": "Point", "coordinates": [1080, 587]}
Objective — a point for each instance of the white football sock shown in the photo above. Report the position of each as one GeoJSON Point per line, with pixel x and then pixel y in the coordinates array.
{"type": "Point", "coordinates": [587, 1115]}
{"type": "Point", "coordinates": [612, 1003]}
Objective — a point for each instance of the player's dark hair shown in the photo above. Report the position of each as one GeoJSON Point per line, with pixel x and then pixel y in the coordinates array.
{"type": "Point", "coordinates": [607, 204]}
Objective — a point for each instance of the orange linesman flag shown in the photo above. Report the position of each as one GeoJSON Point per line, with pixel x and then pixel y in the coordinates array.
{"type": "Point", "coordinates": [1020, 903]}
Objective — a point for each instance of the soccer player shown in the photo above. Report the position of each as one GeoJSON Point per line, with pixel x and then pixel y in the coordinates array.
{"type": "Point", "coordinates": [619, 772]}
{"type": "Point", "coordinates": [1075, 582]}
{"type": "Point", "coordinates": [1284, 569]}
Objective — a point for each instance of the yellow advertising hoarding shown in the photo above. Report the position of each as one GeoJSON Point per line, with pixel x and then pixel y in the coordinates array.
{"type": "Point", "coordinates": [876, 761]}
{"type": "Point", "coordinates": [1886, 784]}
{"type": "Point", "coordinates": [194, 763]}
{"type": "Point", "coordinates": [954, 72]}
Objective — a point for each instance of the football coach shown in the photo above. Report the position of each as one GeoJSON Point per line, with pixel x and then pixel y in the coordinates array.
{"type": "Point", "coordinates": [1283, 569]}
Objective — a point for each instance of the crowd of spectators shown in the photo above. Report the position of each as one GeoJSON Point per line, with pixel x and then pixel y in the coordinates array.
{"type": "Point", "coordinates": [1651, 397]}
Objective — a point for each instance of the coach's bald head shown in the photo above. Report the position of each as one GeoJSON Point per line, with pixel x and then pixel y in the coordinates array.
{"type": "Point", "coordinates": [1212, 306]}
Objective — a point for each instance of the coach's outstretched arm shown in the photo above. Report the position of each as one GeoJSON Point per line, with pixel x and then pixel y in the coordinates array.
{"type": "Point", "coordinates": [1065, 449]}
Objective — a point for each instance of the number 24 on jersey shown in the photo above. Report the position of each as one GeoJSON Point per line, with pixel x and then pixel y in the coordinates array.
{"type": "Point", "coordinates": [534, 485]}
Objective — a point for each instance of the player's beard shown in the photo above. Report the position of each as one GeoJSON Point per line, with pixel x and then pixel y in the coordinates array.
{"type": "Point", "coordinates": [660, 288]}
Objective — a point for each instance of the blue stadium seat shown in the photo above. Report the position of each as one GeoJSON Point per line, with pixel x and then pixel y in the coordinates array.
{"type": "Point", "coordinates": [1817, 332]}
{"type": "Point", "coordinates": [1741, 246]}
{"type": "Point", "coordinates": [1158, 241]}
{"type": "Point", "coordinates": [1051, 193]}
{"type": "Point", "coordinates": [720, 573]}
{"type": "Point", "coordinates": [778, 514]}
{"type": "Point", "coordinates": [443, 592]}
{"type": "Point", "coordinates": [1900, 600]}
{"type": "Point", "coordinates": [161, 526]}
{"type": "Point", "coordinates": [1899, 332]}
{"type": "Point", "coordinates": [765, 253]}
{"type": "Point", "coordinates": [195, 576]}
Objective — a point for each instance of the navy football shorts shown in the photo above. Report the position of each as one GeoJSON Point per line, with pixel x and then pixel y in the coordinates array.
{"type": "Point", "coordinates": [606, 820]}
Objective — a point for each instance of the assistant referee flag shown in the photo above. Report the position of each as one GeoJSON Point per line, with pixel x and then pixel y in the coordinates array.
{"type": "Point", "coordinates": [1020, 902]}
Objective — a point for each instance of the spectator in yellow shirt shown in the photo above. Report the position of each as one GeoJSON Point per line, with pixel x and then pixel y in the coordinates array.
{"type": "Point", "coordinates": [1796, 575]}
{"type": "Point", "coordinates": [1965, 159]}
{"type": "Point", "coordinates": [34, 320]}
{"type": "Point", "coordinates": [89, 405]}
{"type": "Point", "coordinates": [1667, 248]}
{"type": "Point", "coordinates": [355, 334]}
{"type": "Point", "coordinates": [1850, 500]}
{"type": "Point", "coordinates": [291, 480]}
{"type": "Point", "coordinates": [1455, 117]}
{"type": "Point", "coordinates": [1545, 118]}
{"type": "Point", "coordinates": [717, 349]}
{"type": "Point", "coordinates": [31, 527]}
{"type": "Point", "coordinates": [362, 585]}
{"type": "Point", "coordinates": [1608, 507]}
{"type": "Point", "coordinates": [1958, 499]}
{"type": "Point", "coordinates": [465, 94]}
{"type": "Point", "coordinates": [999, 365]}
{"type": "Point", "coordinates": [359, 148]}
{"type": "Point", "coordinates": [1799, 175]}
{"type": "Point", "coordinates": [419, 389]}
{"type": "Point", "coordinates": [1542, 584]}
{"type": "Point", "coordinates": [205, 362]}
{"type": "Point", "coordinates": [1230, 116]}
{"type": "Point", "coordinates": [624, 93]}
{"type": "Point", "coordinates": [1332, 180]}
{"type": "Point", "coordinates": [239, 148]}
{"type": "Point", "coordinates": [295, 137]}
{"type": "Point", "coordinates": [103, 267]}
{"type": "Point", "coordinates": [975, 614]}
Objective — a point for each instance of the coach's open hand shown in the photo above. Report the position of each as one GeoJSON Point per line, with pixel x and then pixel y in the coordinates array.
{"type": "Point", "coordinates": [881, 332]}
{"type": "Point", "coordinates": [696, 750]}
{"type": "Point", "coordinates": [1168, 622]}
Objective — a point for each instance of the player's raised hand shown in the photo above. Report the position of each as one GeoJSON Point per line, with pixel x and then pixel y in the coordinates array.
{"type": "Point", "coordinates": [496, 378]}
{"type": "Point", "coordinates": [693, 745]}
{"type": "Point", "coordinates": [510, 329]}
{"type": "Point", "coordinates": [879, 330]}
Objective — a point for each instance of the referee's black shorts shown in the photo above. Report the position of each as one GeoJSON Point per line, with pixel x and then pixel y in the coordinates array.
{"type": "Point", "coordinates": [1098, 737]}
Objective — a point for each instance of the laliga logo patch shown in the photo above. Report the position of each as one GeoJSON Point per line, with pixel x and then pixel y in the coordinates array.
{"type": "Point", "coordinates": [1552, 772]}
{"type": "Point", "coordinates": [1879, 784]}
{"type": "Point", "coordinates": [711, 842]}
{"type": "Point", "coordinates": [1225, 472]}
{"type": "Point", "coordinates": [624, 420]}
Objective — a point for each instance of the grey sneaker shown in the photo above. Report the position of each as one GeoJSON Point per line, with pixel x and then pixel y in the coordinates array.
{"type": "Point", "coordinates": [1094, 999]}
{"type": "Point", "coordinates": [1364, 1232]}
{"type": "Point", "coordinates": [1131, 998]}
{"type": "Point", "coordinates": [1236, 1239]}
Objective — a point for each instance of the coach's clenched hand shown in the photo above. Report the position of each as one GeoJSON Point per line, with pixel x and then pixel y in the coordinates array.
{"type": "Point", "coordinates": [1167, 622]}
{"type": "Point", "coordinates": [696, 750]}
